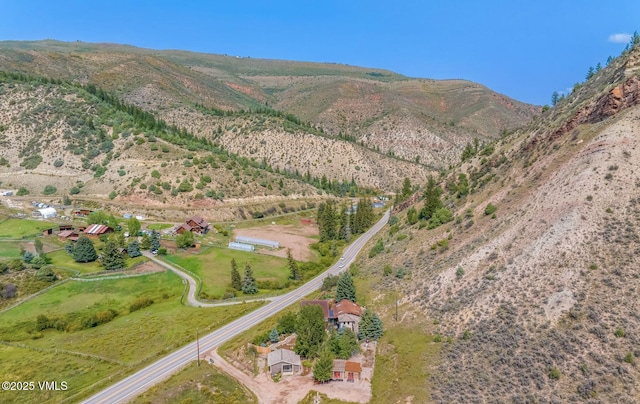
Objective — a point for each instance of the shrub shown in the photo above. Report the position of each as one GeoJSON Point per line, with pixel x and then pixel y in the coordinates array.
{"type": "Point", "coordinates": [630, 358]}
{"type": "Point", "coordinates": [22, 191]}
{"type": "Point", "coordinates": [74, 191]}
{"type": "Point", "coordinates": [49, 190]}
{"type": "Point", "coordinates": [490, 209]}
{"type": "Point", "coordinates": [329, 282]}
{"type": "Point", "coordinates": [112, 195]}
{"type": "Point", "coordinates": [58, 163]}
{"type": "Point", "coordinates": [155, 174]}
{"type": "Point", "coordinates": [554, 373]}
{"type": "Point", "coordinates": [140, 303]}
{"type": "Point", "coordinates": [376, 249]}
{"type": "Point", "coordinates": [619, 332]}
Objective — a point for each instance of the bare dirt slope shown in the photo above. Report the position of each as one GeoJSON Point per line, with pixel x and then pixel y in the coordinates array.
{"type": "Point", "coordinates": [409, 118]}
{"type": "Point", "coordinates": [540, 302]}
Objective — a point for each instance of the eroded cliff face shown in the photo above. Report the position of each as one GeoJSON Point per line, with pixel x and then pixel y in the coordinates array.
{"type": "Point", "coordinates": [621, 97]}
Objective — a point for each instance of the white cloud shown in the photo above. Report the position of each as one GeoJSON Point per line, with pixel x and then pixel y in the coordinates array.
{"type": "Point", "coordinates": [620, 38]}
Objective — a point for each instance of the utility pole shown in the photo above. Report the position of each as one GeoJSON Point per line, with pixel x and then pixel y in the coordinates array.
{"type": "Point", "coordinates": [198, 347]}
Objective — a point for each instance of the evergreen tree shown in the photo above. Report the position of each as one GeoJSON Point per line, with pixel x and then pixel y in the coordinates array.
{"type": "Point", "coordinates": [344, 233]}
{"type": "Point", "coordinates": [133, 225]}
{"type": "Point", "coordinates": [46, 274]}
{"type": "Point", "coordinates": [370, 326]}
{"type": "Point", "coordinates": [294, 271]}
{"type": "Point", "coordinates": [412, 216]}
{"type": "Point", "coordinates": [154, 240]}
{"type": "Point", "coordinates": [146, 242]}
{"type": "Point", "coordinates": [323, 367]}
{"type": "Point", "coordinates": [133, 249]}
{"type": "Point", "coordinates": [236, 281]}
{"type": "Point", "coordinates": [27, 257]}
{"type": "Point", "coordinates": [463, 185]}
{"type": "Point", "coordinates": [310, 329]}
{"type": "Point", "coordinates": [345, 288]}
{"type": "Point", "coordinates": [554, 98]}
{"type": "Point", "coordinates": [84, 251]}
{"type": "Point", "coordinates": [38, 261]}
{"type": "Point", "coordinates": [112, 259]}
{"type": "Point", "coordinates": [327, 221]}
{"type": "Point", "coordinates": [274, 335]}
{"type": "Point", "coordinates": [406, 188]}
{"type": "Point", "coordinates": [432, 200]}
{"type": "Point", "coordinates": [249, 282]}
{"type": "Point", "coordinates": [68, 247]}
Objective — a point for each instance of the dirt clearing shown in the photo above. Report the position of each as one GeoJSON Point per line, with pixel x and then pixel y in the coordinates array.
{"type": "Point", "coordinates": [295, 237]}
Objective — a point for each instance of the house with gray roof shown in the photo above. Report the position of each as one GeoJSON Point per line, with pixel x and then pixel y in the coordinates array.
{"type": "Point", "coordinates": [285, 361]}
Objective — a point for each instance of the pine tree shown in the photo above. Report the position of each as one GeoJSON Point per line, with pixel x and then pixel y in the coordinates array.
{"type": "Point", "coordinates": [236, 281]}
{"type": "Point", "coordinates": [133, 249]}
{"type": "Point", "coordinates": [274, 335]}
{"type": "Point", "coordinates": [344, 233]}
{"type": "Point", "coordinates": [432, 200]}
{"type": "Point", "coordinates": [84, 251]}
{"type": "Point", "coordinates": [154, 241]}
{"type": "Point", "coordinates": [249, 282]}
{"type": "Point", "coordinates": [111, 257]}
{"type": "Point", "coordinates": [554, 98]}
{"type": "Point", "coordinates": [370, 326]}
{"type": "Point", "coordinates": [294, 271]}
{"type": "Point", "coordinates": [310, 331]}
{"type": "Point", "coordinates": [406, 188]}
{"type": "Point", "coordinates": [323, 367]}
{"type": "Point", "coordinates": [345, 288]}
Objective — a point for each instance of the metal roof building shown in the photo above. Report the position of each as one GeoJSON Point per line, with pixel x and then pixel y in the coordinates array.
{"type": "Point", "coordinates": [241, 246]}
{"type": "Point", "coordinates": [258, 241]}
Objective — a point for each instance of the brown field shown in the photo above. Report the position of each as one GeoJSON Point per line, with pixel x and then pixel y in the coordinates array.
{"type": "Point", "coordinates": [298, 238]}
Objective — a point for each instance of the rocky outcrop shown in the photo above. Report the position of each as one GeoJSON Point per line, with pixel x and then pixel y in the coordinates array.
{"type": "Point", "coordinates": [619, 98]}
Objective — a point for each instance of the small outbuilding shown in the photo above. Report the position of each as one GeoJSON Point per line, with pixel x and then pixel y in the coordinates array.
{"type": "Point", "coordinates": [344, 370]}
{"type": "Point", "coordinates": [285, 361]}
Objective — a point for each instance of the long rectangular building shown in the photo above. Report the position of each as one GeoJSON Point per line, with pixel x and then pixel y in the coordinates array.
{"type": "Point", "coordinates": [258, 241]}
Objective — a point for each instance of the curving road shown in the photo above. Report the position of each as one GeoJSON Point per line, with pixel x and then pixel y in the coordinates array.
{"type": "Point", "coordinates": [140, 381]}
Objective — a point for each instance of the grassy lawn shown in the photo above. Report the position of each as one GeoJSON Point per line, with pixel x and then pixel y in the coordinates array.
{"type": "Point", "coordinates": [403, 359]}
{"type": "Point", "coordinates": [62, 259]}
{"type": "Point", "coordinates": [22, 228]}
{"type": "Point", "coordinates": [9, 250]}
{"type": "Point", "coordinates": [130, 340]}
{"type": "Point", "coordinates": [204, 384]}
{"type": "Point", "coordinates": [213, 266]}
{"type": "Point", "coordinates": [159, 226]}
{"type": "Point", "coordinates": [25, 364]}
{"type": "Point", "coordinates": [324, 399]}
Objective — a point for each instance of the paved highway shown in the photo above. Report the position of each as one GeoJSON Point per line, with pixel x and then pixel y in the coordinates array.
{"type": "Point", "coordinates": [140, 381]}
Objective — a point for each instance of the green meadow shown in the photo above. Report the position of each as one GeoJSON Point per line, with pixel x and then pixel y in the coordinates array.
{"type": "Point", "coordinates": [22, 228]}
{"type": "Point", "coordinates": [127, 342]}
{"type": "Point", "coordinates": [213, 266]}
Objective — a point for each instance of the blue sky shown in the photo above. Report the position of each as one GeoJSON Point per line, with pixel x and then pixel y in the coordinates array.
{"type": "Point", "coordinates": [524, 49]}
